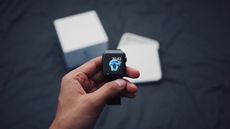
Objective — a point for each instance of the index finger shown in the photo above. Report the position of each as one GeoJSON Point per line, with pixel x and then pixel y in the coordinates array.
{"type": "Point", "coordinates": [89, 68]}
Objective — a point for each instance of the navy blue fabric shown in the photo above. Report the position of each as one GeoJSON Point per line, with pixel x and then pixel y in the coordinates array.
{"type": "Point", "coordinates": [194, 51]}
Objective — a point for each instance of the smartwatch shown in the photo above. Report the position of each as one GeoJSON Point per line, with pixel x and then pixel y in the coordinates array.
{"type": "Point", "coordinates": [113, 67]}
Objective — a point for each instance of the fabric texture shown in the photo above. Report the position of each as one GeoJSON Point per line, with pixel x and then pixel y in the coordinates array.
{"type": "Point", "coordinates": [194, 52]}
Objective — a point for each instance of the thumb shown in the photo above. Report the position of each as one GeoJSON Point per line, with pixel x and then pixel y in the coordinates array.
{"type": "Point", "coordinates": [109, 90]}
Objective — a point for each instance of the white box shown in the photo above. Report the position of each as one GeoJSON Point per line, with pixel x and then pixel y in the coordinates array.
{"type": "Point", "coordinates": [81, 36]}
{"type": "Point", "coordinates": [142, 54]}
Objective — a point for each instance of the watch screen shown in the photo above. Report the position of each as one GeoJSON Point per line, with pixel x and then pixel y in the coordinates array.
{"type": "Point", "coordinates": [114, 64]}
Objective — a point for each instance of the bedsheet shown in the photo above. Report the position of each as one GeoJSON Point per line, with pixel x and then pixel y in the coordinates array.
{"type": "Point", "coordinates": [194, 51]}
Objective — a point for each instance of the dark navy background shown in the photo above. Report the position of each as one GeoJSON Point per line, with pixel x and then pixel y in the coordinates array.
{"type": "Point", "coordinates": [194, 51]}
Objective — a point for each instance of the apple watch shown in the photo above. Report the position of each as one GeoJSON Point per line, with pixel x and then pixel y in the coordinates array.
{"type": "Point", "coordinates": [113, 67]}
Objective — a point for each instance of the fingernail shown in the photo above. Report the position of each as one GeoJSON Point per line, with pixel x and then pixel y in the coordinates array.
{"type": "Point", "coordinates": [121, 82]}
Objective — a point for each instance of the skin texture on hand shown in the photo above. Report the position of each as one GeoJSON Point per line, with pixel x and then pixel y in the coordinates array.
{"type": "Point", "coordinates": [84, 92]}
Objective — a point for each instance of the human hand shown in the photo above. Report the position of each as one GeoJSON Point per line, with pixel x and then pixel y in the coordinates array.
{"type": "Point", "coordinates": [84, 92]}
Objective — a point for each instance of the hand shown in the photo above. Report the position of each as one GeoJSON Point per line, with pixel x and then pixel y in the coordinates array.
{"type": "Point", "coordinates": [84, 93]}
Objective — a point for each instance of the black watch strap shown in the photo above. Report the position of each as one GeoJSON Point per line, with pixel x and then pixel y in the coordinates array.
{"type": "Point", "coordinates": [114, 101]}
{"type": "Point", "coordinates": [114, 67]}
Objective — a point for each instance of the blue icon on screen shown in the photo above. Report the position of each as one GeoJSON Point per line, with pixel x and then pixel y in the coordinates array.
{"type": "Point", "coordinates": [114, 64]}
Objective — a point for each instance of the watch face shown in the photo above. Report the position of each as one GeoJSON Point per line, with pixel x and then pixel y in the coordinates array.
{"type": "Point", "coordinates": [114, 64]}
